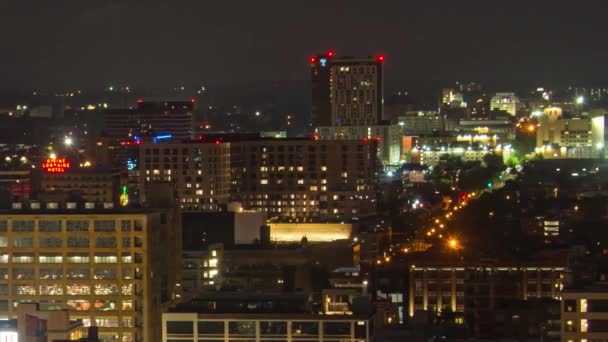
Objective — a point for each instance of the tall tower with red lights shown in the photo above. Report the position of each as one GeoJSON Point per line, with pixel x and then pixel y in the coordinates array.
{"type": "Point", "coordinates": [346, 91]}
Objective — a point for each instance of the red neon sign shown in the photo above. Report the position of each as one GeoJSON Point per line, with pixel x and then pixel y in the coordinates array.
{"type": "Point", "coordinates": [56, 165]}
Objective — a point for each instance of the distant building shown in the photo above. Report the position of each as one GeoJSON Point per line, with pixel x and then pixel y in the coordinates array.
{"type": "Point", "coordinates": [579, 137]}
{"type": "Point", "coordinates": [346, 91]}
{"type": "Point", "coordinates": [150, 119]}
{"type": "Point", "coordinates": [90, 184]}
{"type": "Point", "coordinates": [388, 138]}
{"type": "Point", "coordinates": [486, 131]}
{"type": "Point", "coordinates": [432, 155]}
{"type": "Point", "coordinates": [507, 102]}
{"type": "Point", "coordinates": [299, 179]}
{"type": "Point", "coordinates": [452, 98]}
{"type": "Point", "coordinates": [422, 123]}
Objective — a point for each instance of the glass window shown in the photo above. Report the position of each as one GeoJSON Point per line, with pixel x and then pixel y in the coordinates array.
{"type": "Point", "coordinates": [570, 305]}
{"type": "Point", "coordinates": [3, 241]}
{"type": "Point", "coordinates": [126, 289]}
{"type": "Point", "coordinates": [23, 258]}
{"type": "Point", "coordinates": [51, 273]}
{"type": "Point", "coordinates": [79, 304]}
{"type": "Point", "coordinates": [180, 327]}
{"type": "Point", "coordinates": [77, 226]}
{"type": "Point", "coordinates": [78, 273]}
{"type": "Point", "coordinates": [105, 305]}
{"type": "Point", "coordinates": [78, 259]}
{"type": "Point", "coordinates": [304, 329]}
{"type": "Point", "coordinates": [105, 242]}
{"type": "Point", "coordinates": [78, 242]}
{"type": "Point", "coordinates": [127, 305]}
{"type": "Point", "coordinates": [4, 273]}
{"type": "Point", "coordinates": [3, 225]}
{"type": "Point", "coordinates": [105, 259]}
{"type": "Point", "coordinates": [241, 328]}
{"type": "Point", "coordinates": [211, 328]}
{"type": "Point", "coordinates": [77, 289]}
{"type": "Point", "coordinates": [104, 273]}
{"type": "Point", "coordinates": [336, 328]}
{"type": "Point", "coordinates": [104, 226]}
{"type": "Point", "coordinates": [23, 273]}
{"type": "Point", "coordinates": [125, 225]}
{"type": "Point", "coordinates": [106, 289]}
{"type": "Point", "coordinates": [126, 242]}
{"type": "Point", "coordinates": [108, 322]}
{"type": "Point", "coordinates": [23, 226]}
{"type": "Point", "coordinates": [127, 322]}
{"type": "Point", "coordinates": [23, 242]}
{"type": "Point", "coordinates": [51, 290]}
{"type": "Point", "coordinates": [50, 242]}
{"type": "Point", "coordinates": [49, 226]}
{"type": "Point", "coordinates": [127, 273]}
{"type": "Point", "coordinates": [126, 258]}
{"type": "Point", "coordinates": [24, 290]}
{"type": "Point", "coordinates": [50, 259]}
{"type": "Point", "coordinates": [4, 289]}
{"type": "Point", "coordinates": [273, 328]}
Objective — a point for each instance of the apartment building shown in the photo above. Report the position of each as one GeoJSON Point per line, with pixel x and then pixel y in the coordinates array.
{"type": "Point", "coordinates": [298, 179]}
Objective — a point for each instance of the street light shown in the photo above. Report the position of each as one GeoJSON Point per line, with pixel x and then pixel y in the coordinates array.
{"type": "Point", "coordinates": [68, 141]}
{"type": "Point", "coordinates": [453, 244]}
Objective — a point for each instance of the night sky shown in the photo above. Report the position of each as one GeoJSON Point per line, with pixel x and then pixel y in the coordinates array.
{"type": "Point", "coordinates": [164, 43]}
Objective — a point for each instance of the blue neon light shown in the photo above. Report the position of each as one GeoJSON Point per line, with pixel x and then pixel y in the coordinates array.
{"type": "Point", "coordinates": [162, 137]}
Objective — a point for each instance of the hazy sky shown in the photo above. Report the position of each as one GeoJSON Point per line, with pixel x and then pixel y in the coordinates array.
{"type": "Point", "coordinates": [158, 43]}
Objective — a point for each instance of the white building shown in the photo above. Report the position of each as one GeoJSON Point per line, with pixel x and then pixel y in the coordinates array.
{"type": "Point", "coordinates": [432, 155]}
{"type": "Point", "coordinates": [580, 137]}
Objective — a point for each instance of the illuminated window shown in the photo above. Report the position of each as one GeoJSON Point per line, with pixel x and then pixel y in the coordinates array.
{"type": "Point", "coordinates": [79, 304]}
{"type": "Point", "coordinates": [3, 241]}
{"type": "Point", "coordinates": [105, 259]}
{"type": "Point", "coordinates": [300, 181]}
{"type": "Point", "coordinates": [51, 290]}
{"type": "Point", "coordinates": [107, 322]}
{"type": "Point", "coordinates": [583, 305]}
{"type": "Point", "coordinates": [104, 273]}
{"type": "Point", "coordinates": [23, 273]}
{"type": "Point", "coordinates": [213, 262]}
{"type": "Point", "coordinates": [323, 168]}
{"type": "Point", "coordinates": [300, 168]}
{"type": "Point", "coordinates": [78, 259]}
{"type": "Point", "coordinates": [22, 259]}
{"type": "Point", "coordinates": [50, 259]}
{"type": "Point", "coordinates": [126, 289]}
{"type": "Point", "coordinates": [263, 181]}
{"type": "Point", "coordinates": [313, 188]}
{"type": "Point", "coordinates": [213, 253]}
{"type": "Point", "coordinates": [50, 273]}
{"type": "Point", "coordinates": [106, 289]}
{"type": "Point", "coordinates": [24, 290]}
{"type": "Point", "coordinates": [78, 273]}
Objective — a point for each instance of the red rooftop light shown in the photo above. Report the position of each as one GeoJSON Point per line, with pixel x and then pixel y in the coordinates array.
{"type": "Point", "coordinates": [217, 142]}
{"type": "Point", "coordinates": [380, 58]}
{"type": "Point", "coordinates": [313, 59]}
{"type": "Point", "coordinates": [140, 101]}
{"type": "Point", "coordinates": [330, 53]}
{"type": "Point", "coordinates": [193, 100]}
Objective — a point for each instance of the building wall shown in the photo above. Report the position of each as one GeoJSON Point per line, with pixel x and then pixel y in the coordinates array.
{"type": "Point", "coordinates": [314, 232]}
{"type": "Point", "coordinates": [96, 187]}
